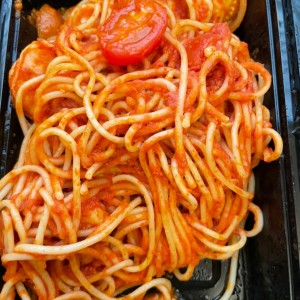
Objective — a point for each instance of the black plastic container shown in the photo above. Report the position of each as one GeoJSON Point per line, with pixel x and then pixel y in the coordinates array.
{"type": "Point", "coordinates": [269, 263]}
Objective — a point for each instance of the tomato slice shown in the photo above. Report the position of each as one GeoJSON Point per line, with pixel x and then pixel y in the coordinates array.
{"type": "Point", "coordinates": [132, 31]}
{"type": "Point", "coordinates": [218, 36]}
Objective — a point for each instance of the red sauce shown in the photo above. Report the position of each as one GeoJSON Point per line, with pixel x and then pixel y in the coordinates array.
{"type": "Point", "coordinates": [181, 9]}
{"type": "Point", "coordinates": [172, 100]}
{"type": "Point", "coordinates": [89, 205]}
{"type": "Point", "coordinates": [202, 11]}
{"type": "Point", "coordinates": [181, 162]}
{"type": "Point", "coordinates": [215, 78]}
{"type": "Point", "coordinates": [54, 106]}
{"type": "Point", "coordinates": [29, 203]}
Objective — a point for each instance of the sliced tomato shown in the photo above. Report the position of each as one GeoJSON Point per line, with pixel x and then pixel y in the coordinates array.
{"type": "Point", "coordinates": [219, 36]}
{"type": "Point", "coordinates": [133, 30]}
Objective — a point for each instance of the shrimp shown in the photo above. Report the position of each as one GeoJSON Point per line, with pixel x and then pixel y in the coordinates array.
{"type": "Point", "coordinates": [32, 62]}
{"type": "Point", "coordinates": [48, 21]}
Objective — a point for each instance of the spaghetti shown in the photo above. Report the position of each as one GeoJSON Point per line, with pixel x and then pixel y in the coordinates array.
{"type": "Point", "coordinates": [130, 172]}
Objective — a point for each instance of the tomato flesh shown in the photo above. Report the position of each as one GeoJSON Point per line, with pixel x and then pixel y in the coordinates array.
{"type": "Point", "coordinates": [133, 30]}
{"type": "Point", "coordinates": [218, 36]}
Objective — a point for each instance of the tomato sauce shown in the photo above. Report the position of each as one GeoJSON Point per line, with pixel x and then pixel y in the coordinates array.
{"type": "Point", "coordinates": [202, 12]}
{"type": "Point", "coordinates": [53, 106]}
{"type": "Point", "coordinates": [181, 9]}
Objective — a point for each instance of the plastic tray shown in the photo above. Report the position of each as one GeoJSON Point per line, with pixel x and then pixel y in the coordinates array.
{"type": "Point", "coordinates": [269, 264]}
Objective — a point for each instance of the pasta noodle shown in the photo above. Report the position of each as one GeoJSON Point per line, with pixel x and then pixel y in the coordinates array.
{"type": "Point", "coordinates": [127, 173]}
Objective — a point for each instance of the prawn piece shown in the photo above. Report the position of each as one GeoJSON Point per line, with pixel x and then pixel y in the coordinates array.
{"type": "Point", "coordinates": [48, 21]}
{"type": "Point", "coordinates": [32, 62]}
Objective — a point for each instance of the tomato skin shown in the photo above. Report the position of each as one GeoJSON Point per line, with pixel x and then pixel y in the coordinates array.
{"type": "Point", "coordinates": [218, 36]}
{"type": "Point", "coordinates": [132, 31]}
